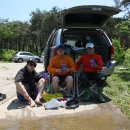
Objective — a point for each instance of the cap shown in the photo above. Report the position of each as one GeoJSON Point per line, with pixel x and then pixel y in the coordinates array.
{"type": "Point", "coordinates": [60, 46]}
{"type": "Point", "coordinates": [31, 60]}
{"type": "Point", "coordinates": [90, 45]}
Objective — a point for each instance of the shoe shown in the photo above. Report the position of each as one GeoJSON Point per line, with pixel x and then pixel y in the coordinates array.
{"type": "Point", "coordinates": [101, 98]}
{"type": "Point", "coordinates": [1, 96]}
{"type": "Point", "coordinates": [87, 96]}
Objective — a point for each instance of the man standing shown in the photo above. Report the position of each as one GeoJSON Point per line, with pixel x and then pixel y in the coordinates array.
{"type": "Point", "coordinates": [61, 66]}
{"type": "Point", "coordinates": [92, 65]}
{"type": "Point", "coordinates": [29, 84]}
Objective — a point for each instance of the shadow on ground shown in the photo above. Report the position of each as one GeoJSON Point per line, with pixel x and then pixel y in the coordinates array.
{"type": "Point", "coordinates": [16, 104]}
{"type": "Point", "coordinates": [93, 100]}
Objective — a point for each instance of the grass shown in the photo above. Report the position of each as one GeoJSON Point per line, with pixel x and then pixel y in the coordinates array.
{"type": "Point", "coordinates": [118, 89]}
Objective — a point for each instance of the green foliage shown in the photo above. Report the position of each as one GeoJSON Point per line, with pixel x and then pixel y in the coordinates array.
{"type": "Point", "coordinates": [6, 55]}
{"type": "Point", "coordinates": [119, 89]}
{"type": "Point", "coordinates": [119, 51]}
{"type": "Point", "coordinates": [127, 58]}
{"type": "Point", "coordinates": [31, 36]}
{"type": "Point", "coordinates": [123, 28]}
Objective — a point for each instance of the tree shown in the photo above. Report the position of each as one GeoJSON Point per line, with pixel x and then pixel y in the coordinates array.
{"type": "Point", "coordinates": [125, 6]}
{"type": "Point", "coordinates": [42, 24]}
{"type": "Point", "coordinates": [123, 29]}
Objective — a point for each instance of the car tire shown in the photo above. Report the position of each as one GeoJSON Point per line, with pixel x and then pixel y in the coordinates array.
{"type": "Point", "coordinates": [20, 60]}
{"type": "Point", "coordinates": [37, 60]}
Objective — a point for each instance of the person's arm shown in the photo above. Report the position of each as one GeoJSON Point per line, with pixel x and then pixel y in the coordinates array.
{"type": "Point", "coordinates": [19, 85]}
{"type": "Point", "coordinates": [51, 67]}
{"type": "Point", "coordinates": [19, 76]}
{"type": "Point", "coordinates": [79, 62]}
{"type": "Point", "coordinates": [99, 63]}
{"type": "Point", "coordinates": [72, 66]}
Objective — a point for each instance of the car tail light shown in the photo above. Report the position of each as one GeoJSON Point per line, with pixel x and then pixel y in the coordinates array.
{"type": "Point", "coordinates": [112, 52]}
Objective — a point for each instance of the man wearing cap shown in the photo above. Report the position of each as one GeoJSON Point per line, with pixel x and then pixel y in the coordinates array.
{"type": "Point", "coordinates": [29, 84]}
{"type": "Point", "coordinates": [91, 67]}
{"type": "Point", "coordinates": [61, 66]}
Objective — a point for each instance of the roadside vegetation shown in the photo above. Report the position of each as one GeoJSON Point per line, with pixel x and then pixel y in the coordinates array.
{"type": "Point", "coordinates": [118, 84]}
{"type": "Point", "coordinates": [6, 55]}
{"type": "Point", "coordinates": [118, 89]}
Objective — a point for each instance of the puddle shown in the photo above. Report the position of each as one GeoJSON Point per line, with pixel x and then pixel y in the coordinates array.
{"type": "Point", "coordinates": [81, 121]}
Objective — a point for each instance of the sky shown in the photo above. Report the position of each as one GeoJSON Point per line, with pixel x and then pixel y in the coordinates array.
{"type": "Point", "coordinates": [21, 9]}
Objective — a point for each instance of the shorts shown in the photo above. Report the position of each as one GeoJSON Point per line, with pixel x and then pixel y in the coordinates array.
{"type": "Point", "coordinates": [62, 78]}
{"type": "Point", "coordinates": [32, 93]}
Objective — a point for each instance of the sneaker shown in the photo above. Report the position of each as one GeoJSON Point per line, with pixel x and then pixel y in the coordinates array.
{"type": "Point", "coordinates": [101, 98]}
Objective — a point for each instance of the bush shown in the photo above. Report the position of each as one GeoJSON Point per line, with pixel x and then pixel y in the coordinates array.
{"type": "Point", "coordinates": [126, 62]}
{"type": "Point", "coordinates": [6, 55]}
{"type": "Point", "coordinates": [119, 51]}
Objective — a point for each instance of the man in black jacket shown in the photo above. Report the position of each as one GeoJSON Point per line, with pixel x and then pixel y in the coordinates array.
{"type": "Point", "coordinates": [29, 84]}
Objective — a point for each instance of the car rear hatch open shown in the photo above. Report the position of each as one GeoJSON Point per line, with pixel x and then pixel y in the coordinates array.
{"type": "Point", "coordinates": [87, 16]}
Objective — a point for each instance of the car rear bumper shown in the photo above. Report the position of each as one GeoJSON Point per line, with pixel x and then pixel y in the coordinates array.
{"type": "Point", "coordinates": [109, 68]}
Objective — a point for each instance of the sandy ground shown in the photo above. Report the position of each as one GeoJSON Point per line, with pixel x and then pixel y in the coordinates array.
{"type": "Point", "coordinates": [12, 108]}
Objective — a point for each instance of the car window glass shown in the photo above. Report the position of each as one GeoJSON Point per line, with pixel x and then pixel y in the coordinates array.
{"type": "Point", "coordinates": [53, 40]}
{"type": "Point", "coordinates": [71, 42]}
{"type": "Point", "coordinates": [29, 54]}
{"type": "Point", "coordinates": [26, 54]}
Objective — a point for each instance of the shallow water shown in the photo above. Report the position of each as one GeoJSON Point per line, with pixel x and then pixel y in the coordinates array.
{"type": "Point", "coordinates": [81, 121]}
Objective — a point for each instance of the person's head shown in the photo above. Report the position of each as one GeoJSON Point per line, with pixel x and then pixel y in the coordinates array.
{"type": "Point", "coordinates": [90, 48]}
{"type": "Point", "coordinates": [31, 64]}
{"type": "Point", "coordinates": [60, 50]}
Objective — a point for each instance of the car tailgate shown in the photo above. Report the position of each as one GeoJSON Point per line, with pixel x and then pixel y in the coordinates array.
{"type": "Point", "coordinates": [87, 16]}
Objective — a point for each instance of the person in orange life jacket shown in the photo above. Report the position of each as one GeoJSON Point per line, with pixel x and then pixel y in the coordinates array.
{"type": "Point", "coordinates": [61, 66]}
{"type": "Point", "coordinates": [92, 65]}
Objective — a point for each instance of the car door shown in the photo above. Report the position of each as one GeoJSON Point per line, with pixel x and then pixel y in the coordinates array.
{"type": "Point", "coordinates": [29, 55]}
{"type": "Point", "coordinates": [54, 40]}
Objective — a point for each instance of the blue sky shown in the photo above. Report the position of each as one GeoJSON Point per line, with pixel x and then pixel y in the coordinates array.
{"type": "Point", "coordinates": [21, 9]}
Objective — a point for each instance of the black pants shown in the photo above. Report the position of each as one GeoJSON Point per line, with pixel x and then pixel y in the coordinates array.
{"type": "Point", "coordinates": [98, 77]}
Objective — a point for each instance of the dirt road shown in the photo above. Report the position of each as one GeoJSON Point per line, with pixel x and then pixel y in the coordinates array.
{"type": "Point", "coordinates": [12, 108]}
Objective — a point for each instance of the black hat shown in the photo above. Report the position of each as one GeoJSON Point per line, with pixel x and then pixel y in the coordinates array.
{"type": "Point", "coordinates": [60, 46]}
{"type": "Point", "coordinates": [31, 60]}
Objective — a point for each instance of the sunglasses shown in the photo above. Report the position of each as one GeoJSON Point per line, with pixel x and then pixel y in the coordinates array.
{"type": "Point", "coordinates": [31, 64]}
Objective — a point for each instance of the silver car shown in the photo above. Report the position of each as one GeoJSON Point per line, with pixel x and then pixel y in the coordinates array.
{"type": "Point", "coordinates": [24, 56]}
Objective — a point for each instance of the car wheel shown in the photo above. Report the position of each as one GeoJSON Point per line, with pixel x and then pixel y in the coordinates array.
{"type": "Point", "coordinates": [37, 60]}
{"type": "Point", "coordinates": [20, 60]}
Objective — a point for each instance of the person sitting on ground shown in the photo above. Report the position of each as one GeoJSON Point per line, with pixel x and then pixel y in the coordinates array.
{"type": "Point", "coordinates": [92, 65]}
{"type": "Point", "coordinates": [61, 66]}
{"type": "Point", "coordinates": [29, 84]}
